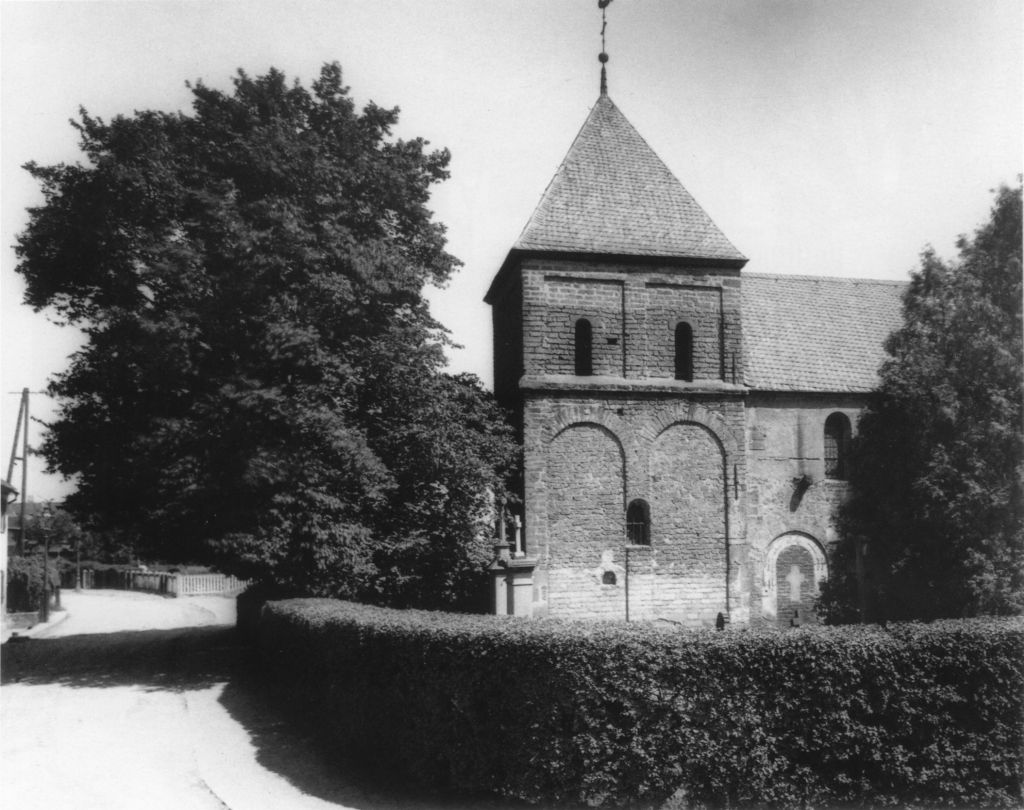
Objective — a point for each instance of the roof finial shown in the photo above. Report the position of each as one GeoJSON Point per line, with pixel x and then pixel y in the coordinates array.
{"type": "Point", "coordinates": [603, 56]}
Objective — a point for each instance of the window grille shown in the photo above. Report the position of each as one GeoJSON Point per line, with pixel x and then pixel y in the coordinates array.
{"type": "Point", "coordinates": [837, 441]}
{"type": "Point", "coordinates": [638, 523]}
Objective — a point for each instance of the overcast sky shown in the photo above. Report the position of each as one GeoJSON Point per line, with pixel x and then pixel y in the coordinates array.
{"type": "Point", "coordinates": [823, 137]}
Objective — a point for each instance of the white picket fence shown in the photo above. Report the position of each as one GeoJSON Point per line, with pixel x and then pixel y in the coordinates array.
{"type": "Point", "coordinates": [206, 585]}
{"type": "Point", "coordinates": [167, 583]}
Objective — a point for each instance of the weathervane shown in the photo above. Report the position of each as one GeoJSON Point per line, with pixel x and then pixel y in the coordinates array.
{"type": "Point", "coordinates": [603, 56]}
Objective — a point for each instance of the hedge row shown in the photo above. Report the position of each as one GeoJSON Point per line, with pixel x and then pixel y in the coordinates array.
{"type": "Point", "coordinates": [615, 714]}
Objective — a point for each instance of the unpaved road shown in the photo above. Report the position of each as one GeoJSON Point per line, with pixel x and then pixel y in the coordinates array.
{"type": "Point", "coordinates": [137, 701]}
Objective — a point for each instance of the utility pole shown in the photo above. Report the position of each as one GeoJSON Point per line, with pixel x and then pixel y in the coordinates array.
{"type": "Point", "coordinates": [21, 431]}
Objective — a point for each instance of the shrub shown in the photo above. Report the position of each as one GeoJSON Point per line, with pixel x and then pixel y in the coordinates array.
{"type": "Point", "coordinates": [25, 582]}
{"type": "Point", "coordinates": [615, 714]}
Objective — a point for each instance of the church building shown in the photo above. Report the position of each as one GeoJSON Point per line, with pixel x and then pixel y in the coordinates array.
{"type": "Point", "coordinates": [685, 424]}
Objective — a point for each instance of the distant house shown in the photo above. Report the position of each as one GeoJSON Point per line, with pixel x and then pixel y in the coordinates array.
{"type": "Point", "coordinates": [685, 424]}
{"type": "Point", "coordinates": [7, 495]}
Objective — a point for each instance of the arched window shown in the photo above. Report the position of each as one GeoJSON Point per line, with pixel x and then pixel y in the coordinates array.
{"type": "Point", "coordinates": [638, 523]}
{"type": "Point", "coordinates": [584, 348]}
{"type": "Point", "coordinates": [837, 445]}
{"type": "Point", "coordinates": [684, 352]}
{"type": "Point", "coordinates": [608, 578]}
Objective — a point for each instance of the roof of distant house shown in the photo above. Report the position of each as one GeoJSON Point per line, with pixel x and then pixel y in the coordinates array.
{"type": "Point", "coordinates": [815, 333]}
{"type": "Point", "coordinates": [614, 195]}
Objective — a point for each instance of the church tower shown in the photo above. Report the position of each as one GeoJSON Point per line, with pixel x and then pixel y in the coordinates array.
{"type": "Point", "coordinates": [617, 344]}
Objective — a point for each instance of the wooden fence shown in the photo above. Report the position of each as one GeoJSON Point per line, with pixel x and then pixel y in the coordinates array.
{"type": "Point", "coordinates": [206, 584]}
{"type": "Point", "coordinates": [161, 582]}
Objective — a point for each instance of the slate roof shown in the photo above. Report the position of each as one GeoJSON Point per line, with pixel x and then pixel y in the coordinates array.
{"type": "Point", "coordinates": [613, 195]}
{"type": "Point", "coordinates": [813, 333]}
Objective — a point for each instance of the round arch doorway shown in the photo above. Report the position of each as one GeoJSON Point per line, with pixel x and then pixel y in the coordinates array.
{"type": "Point", "coordinates": [794, 568]}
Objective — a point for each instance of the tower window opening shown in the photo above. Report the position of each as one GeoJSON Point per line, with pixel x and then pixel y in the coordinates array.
{"type": "Point", "coordinates": [684, 351]}
{"type": "Point", "coordinates": [584, 345]}
{"type": "Point", "coordinates": [638, 523]}
{"type": "Point", "coordinates": [837, 445]}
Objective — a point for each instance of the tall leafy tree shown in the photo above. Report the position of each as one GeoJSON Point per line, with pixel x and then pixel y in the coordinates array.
{"type": "Point", "coordinates": [260, 361]}
{"type": "Point", "coordinates": [936, 522]}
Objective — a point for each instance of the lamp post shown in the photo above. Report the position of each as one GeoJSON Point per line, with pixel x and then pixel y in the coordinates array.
{"type": "Point", "coordinates": [44, 527]}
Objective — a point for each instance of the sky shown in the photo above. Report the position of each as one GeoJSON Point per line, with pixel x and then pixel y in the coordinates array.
{"type": "Point", "coordinates": [823, 137]}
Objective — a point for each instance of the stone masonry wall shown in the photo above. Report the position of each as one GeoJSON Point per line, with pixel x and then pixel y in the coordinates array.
{"type": "Point", "coordinates": [507, 320]}
{"type": "Point", "coordinates": [593, 444]}
{"type": "Point", "coordinates": [633, 309]}
{"type": "Point", "coordinates": [688, 524]}
{"type": "Point", "coordinates": [731, 477]}
{"type": "Point", "coordinates": [565, 301]}
{"type": "Point", "coordinates": [588, 457]}
{"type": "Point", "coordinates": [586, 475]}
{"type": "Point", "coordinates": [785, 443]}
{"type": "Point", "coordinates": [664, 305]}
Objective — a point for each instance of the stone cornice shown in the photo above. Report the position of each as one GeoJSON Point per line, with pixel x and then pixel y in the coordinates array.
{"type": "Point", "coordinates": [601, 384]}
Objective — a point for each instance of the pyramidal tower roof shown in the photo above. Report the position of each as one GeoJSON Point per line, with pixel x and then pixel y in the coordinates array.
{"type": "Point", "coordinates": [614, 195]}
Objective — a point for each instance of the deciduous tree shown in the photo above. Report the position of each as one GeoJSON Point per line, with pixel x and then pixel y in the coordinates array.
{"type": "Point", "coordinates": [261, 380]}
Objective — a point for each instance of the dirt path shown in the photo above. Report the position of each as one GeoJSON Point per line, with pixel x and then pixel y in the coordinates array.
{"type": "Point", "coordinates": [136, 701]}
{"type": "Point", "coordinates": [101, 611]}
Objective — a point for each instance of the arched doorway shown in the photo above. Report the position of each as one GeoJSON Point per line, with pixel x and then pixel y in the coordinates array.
{"type": "Point", "coordinates": [794, 568]}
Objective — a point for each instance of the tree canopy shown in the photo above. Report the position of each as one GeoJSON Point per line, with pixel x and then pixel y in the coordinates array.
{"type": "Point", "coordinates": [937, 514]}
{"type": "Point", "coordinates": [262, 382]}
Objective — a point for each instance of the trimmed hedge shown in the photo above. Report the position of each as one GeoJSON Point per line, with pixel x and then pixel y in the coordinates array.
{"type": "Point", "coordinates": [616, 714]}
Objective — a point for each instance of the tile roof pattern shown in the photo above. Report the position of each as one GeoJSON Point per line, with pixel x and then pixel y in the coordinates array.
{"type": "Point", "coordinates": [613, 194]}
{"type": "Point", "coordinates": [813, 333]}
